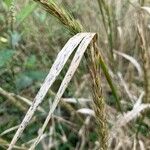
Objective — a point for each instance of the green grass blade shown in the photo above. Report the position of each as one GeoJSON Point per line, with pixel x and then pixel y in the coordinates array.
{"type": "Point", "coordinates": [8, 2]}
{"type": "Point", "coordinates": [25, 12]}
{"type": "Point", "coordinates": [110, 82]}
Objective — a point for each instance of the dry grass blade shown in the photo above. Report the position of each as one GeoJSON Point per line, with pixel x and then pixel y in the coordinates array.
{"type": "Point", "coordinates": [132, 60]}
{"type": "Point", "coordinates": [124, 84]}
{"type": "Point", "coordinates": [54, 72]}
{"type": "Point", "coordinates": [134, 143]}
{"type": "Point", "coordinates": [4, 144]}
{"type": "Point", "coordinates": [135, 112]}
{"type": "Point", "coordinates": [9, 130]}
{"type": "Point", "coordinates": [16, 99]}
{"type": "Point", "coordinates": [73, 67]}
{"type": "Point", "coordinates": [28, 102]}
{"type": "Point", "coordinates": [142, 147]}
{"type": "Point", "coordinates": [86, 111]}
{"type": "Point", "coordinates": [12, 99]}
{"type": "Point", "coordinates": [81, 101]}
{"type": "Point", "coordinates": [147, 9]}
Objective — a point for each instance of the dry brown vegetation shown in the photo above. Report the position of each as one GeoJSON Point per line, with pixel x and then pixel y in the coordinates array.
{"type": "Point", "coordinates": [96, 94]}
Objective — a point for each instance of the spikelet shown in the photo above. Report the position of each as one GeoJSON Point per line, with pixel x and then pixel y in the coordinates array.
{"type": "Point", "coordinates": [12, 14]}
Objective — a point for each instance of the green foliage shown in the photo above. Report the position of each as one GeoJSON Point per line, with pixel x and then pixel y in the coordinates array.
{"type": "Point", "coordinates": [93, 136]}
{"type": "Point", "coordinates": [6, 56]}
{"type": "Point", "coordinates": [30, 62]}
{"type": "Point", "coordinates": [65, 146]}
{"type": "Point", "coordinates": [15, 38]}
{"type": "Point", "coordinates": [25, 12]}
{"type": "Point", "coordinates": [8, 2]}
{"type": "Point", "coordinates": [36, 75]}
{"type": "Point", "coordinates": [23, 81]}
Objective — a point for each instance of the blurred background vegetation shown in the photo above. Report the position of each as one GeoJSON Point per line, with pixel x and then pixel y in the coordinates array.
{"type": "Point", "coordinates": [30, 40]}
